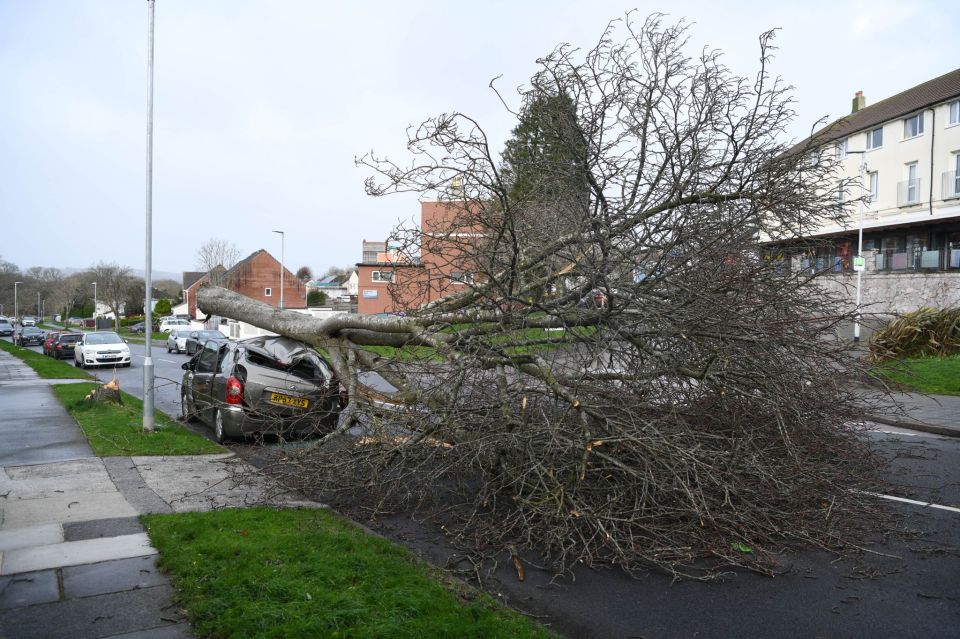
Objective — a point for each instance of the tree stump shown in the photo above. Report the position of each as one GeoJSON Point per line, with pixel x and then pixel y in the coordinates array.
{"type": "Point", "coordinates": [109, 392]}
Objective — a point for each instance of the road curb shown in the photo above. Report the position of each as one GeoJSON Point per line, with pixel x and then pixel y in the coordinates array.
{"type": "Point", "coordinates": [912, 425]}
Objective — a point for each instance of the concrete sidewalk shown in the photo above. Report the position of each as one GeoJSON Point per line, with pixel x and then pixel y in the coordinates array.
{"type": "Point", "coordinates": [74, 559]}
{"type": "Point", "coordinates": [937, 414]}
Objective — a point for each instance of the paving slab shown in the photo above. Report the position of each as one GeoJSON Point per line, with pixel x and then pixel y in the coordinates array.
{"type": "Point", "coordinates": [209, 482]}
{"type": "Point", "coordinates": [111, 576]}
{"type": "Point", "coordinates": [55, 480]}
{"type": "Point", "coordinates": [41, 535]}
{"type": "Point", "coordinates": [127, 479]}
{"type": "Point", "coordinates": [114, 527]}
{"type": "Point", "coordinates": [27, 590]}
{"type": "Point", "coordinates": [73, 507]}
{"type": "Point", "coordinates": [94, 617]}
{"type": "Point", "coordinates": [73, 553]}
{"type": "Point", "coordinates": [36, 428]}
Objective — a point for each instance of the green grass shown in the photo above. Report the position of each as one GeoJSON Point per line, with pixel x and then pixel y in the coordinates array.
{"type": "Point", "coordinates": [262, 572]}
{"type": "Point", "coordinates": [118, 430]}
{"type": "Point", "coordinates": [931, 375]}
{"type": "Point", "coordinates": [46, 367]}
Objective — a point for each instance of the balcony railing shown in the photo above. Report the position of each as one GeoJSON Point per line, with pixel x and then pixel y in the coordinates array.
{"type": "Point", "coordinates": [925, 260]}
{"type": "Point", "coordinates": [951, 184]}
{"type": "Point", "coordinates": [908, 192]}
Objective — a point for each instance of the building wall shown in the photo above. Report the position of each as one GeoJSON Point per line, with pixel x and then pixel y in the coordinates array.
{"type": "Point", "coordinates": [890, 163]}
{"type": "Point", "coordinates": [891, 294]}
{"type": "Point", "coordinates": [409, 290]}
{"type": "Point", "coordinates": [262, 272]}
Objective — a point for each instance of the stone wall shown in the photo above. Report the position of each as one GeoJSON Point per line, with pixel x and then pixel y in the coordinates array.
{"type": "Point", "coordinates": [895, 293]}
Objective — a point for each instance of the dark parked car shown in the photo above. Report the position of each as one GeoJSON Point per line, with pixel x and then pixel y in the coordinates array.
{"type": "Point", "coordinates": [261, 385]}
{"type": "Point", "coordinates": [196, 340]}
{"type": "Point", "coordinates": [137, 328]}
{"type": "Point", "coordinates": [6, 329]}
{"type": "Point", "coordinates": [64, 344]}
{"type": "Point", "coordinates": [50, 339]}
{"type": "Point", "coordinates": [29, 335]}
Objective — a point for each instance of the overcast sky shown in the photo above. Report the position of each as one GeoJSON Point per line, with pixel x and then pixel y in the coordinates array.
{"type": "Point", "coordinates": [262, 105]}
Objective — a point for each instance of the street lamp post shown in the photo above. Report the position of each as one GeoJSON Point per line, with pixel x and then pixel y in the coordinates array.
{"type": "Point", "coordinates": [281, 266]}
{"type": "Point", "coordinates": [859, 268]}
{"type": "Point", "coordinates": [94, 306]}
{"type": "Point", "coordinates": [38, 306]}
{"type": "Point", "coordinates": [16, 309]}
{"type": "Point", "coordinates": [148, 418]}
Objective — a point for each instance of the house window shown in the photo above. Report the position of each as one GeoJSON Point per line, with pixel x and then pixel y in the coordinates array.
{"type": "Point", "coordinates": [840, 194]}
{"type": "Point", "coordinates": [875, 138]}
{"type": "Point", "coordinates": [458, 277]}
{"type": "Point", "coordinates": [913, 184]}
{"type": "Point", "coordinates": [842, 149]}
{"type": "Point", "coordinates": [267, 292]}
{"type": "Point", "coordinates": [382, 276]}
{"type": "Point", "coordinates": [913, 126]}
{"type": "Point", "coordinates": [955, 112]}
{"type": "Point", "coordinates": [874, 187]}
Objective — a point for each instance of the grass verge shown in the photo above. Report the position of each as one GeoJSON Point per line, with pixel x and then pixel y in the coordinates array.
{"type": "Point", "coordinates": [46, 367]}
{"type": "Point", "coordinates": [118, 430]}
{"type": "Point", "coordinates": [931, 375]}
{"type": "Point", "coordinates": [262, 572]}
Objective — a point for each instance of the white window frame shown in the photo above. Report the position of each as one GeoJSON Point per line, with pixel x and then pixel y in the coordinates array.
{"type": "Point", "coordinates": [954, 112]}
{"type": "Point", "coordinates": [461, 277]}
{"type": "Point", "coordinates": [913, 177]}
{"type": "Point", "coordinates": [874, 192]}
{"type": "Point", "coordinates": [871, 137]}
{"type": "Point", "coordinates": [268, 292]}
{"type": "Point", "coordinates": [382, 276]}
{"type": "Point", "coordinates": [913, 126]}
{"type": "Point", "coordinates": [841, 148]}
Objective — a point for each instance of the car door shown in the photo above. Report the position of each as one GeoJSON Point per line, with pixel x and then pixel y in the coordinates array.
{"type": "Point", "coordinates": [202, 381]}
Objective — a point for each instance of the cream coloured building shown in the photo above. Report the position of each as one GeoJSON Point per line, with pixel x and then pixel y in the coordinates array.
{"type": "Point", "coordinates": [907, 150]}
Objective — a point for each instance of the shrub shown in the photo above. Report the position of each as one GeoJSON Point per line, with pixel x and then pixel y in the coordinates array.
{"type": "Point", "coordinates": [926, 331]}
{"type": "Point", "coordinates": [316, 298]}
{"type": "Point", "coordinates": [162, 308]}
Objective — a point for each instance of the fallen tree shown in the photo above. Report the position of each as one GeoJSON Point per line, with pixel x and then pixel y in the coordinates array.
{"type": "Point", "coordinates": [628, 375]}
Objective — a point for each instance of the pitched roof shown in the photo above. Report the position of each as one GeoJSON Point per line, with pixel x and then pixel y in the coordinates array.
{"type": "Point", "coordinates": [190, 277]}
{"type": "Point", "coordinates": [920, 97]}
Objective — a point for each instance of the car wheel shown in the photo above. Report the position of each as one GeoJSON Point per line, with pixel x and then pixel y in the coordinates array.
{"type": "Point", "coordinates": [218, 432]}
{"type": "Point", "coordinates": [76, 363]}
{"type": "Point", "coordinates": [169, 350]}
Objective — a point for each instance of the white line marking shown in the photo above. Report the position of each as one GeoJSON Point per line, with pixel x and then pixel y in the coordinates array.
{"type": "Point", "coordinates": [904, 500]}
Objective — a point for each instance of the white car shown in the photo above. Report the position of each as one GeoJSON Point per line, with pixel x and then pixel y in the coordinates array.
{"type": "Point", "coordinates": [101, 348]}
{"type": "Point", "coordinates": [178, 340]}
{"type": "Point", "coordinates": [168, 324]}
{"type": "Point", "coordinates": [28, 320]}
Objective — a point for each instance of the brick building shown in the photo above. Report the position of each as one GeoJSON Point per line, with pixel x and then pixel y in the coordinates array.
{"type": "Point", "coordinates": [257, 276]}
{"type": "Point", "coordinates": [392, 281]}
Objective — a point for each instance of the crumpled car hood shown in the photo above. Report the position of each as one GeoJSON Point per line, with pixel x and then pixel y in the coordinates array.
{"type": "Point", "coordinates": [281, 349]}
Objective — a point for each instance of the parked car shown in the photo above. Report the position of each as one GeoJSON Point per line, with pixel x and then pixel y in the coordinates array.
{"type": "Point", "coordinates": [64, 345]}
{"type": "Point", "coordinates": [101, 347]}
{"type": "Point", "coordinates": [138, 328]}
{"type": "Point", "coordinates": [29, 335]}
{"type": "Point", "coordinates": [28, 320]}
{"type": "Point", "coordinates": [48, 342]}
{"type": "Point", "coordinates": [6, 329]}
{"type": "Point", "coordinates": [177, 341]}
{"type": "Point", "coordinates": [168, 324]}
{"type": "Point", "coordinates": [196, 339]}
{"type": "Point", "coordinates": [261, 385]}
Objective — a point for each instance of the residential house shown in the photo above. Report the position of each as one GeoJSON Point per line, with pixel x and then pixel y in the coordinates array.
{"type": "Point", "coordinates": [257, 276]}
{"type": "Point", "coordinates": [905, 153]}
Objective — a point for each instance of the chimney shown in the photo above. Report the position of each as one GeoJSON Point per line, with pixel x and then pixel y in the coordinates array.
{"type": "Point", "coordinates": [858, 102]}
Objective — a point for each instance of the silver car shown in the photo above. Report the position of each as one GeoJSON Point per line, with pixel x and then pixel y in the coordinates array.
{"type": "Point", "coordinates": [177, 341]}
{"type": "Point", "coordinates": [259, 386]}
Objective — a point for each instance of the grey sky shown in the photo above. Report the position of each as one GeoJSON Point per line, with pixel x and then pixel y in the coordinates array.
{"type": "Point", "coordinates": [261, 106]}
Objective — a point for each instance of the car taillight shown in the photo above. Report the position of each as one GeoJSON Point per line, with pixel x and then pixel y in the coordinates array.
{"type": "Point", "coordinates": [234, 390]}
{"type": "Point", "coordinates": [344, 396]}
{"type": "Point", "coordinates": [59, 345]}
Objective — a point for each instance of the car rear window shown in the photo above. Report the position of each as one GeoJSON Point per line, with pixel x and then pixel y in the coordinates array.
{"type": "Point", "coordinates": [69, 339]}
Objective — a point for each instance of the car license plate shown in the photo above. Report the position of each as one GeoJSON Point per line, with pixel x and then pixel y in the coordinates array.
{"type": "Point", "coordinates": [287, 400]}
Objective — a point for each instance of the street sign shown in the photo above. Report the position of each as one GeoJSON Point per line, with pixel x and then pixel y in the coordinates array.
{"type": "Point", "coordinates": [859, 264]}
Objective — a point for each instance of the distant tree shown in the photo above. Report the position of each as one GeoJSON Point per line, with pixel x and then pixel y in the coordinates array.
{"type": "Point", "coordinates": [316, 298]}
{"type": "Point", "coordinates": [170, 289]}
{"type": "Point", "coordinates": [339, 271]}
{"type": "Point", "coordinates": [162, 308]}
{"type": "Point", "coordinates": [216, 252]}
{"type": "Point", "coordinates": [113, 286]}
{"type": "Point", "coordinates": [304, 274]}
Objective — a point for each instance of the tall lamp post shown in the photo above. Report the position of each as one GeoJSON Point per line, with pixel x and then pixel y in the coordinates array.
{"type": "Point", "coordinates": [16, 309]}
{"type": "Point", "coordinates": [859, 263]}
{"type": "Point", "coordinates": [38, 306]}
{"type": "Point", "coordinates": [281, 266]}
{"type": "Point", "coordinates": [148, 419]}
{"type": "Point", "coordinates": [94, 306]}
